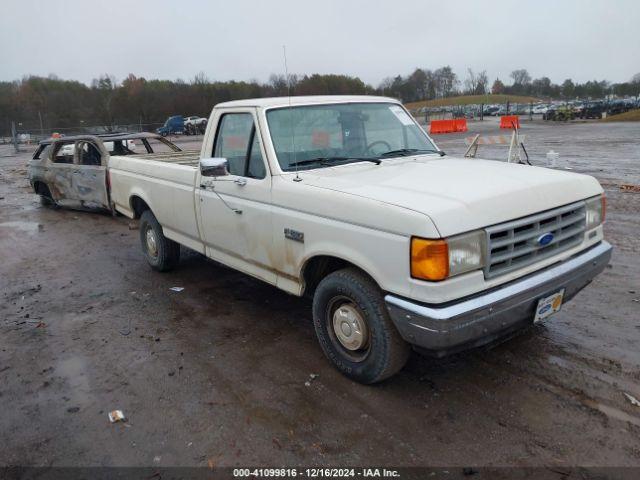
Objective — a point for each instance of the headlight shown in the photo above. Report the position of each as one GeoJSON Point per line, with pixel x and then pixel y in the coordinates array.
{"type": "Point", "coordinates": [436, 260]}
{"type": "Point", "coordinates": [466, 252]}
{"type": "Point", "coordinates": [595, 209]}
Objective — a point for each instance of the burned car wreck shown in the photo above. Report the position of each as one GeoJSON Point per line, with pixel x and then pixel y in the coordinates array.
{"type": "Point", "coordinates": [72, 171]}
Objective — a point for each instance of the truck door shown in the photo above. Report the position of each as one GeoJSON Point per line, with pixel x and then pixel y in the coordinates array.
{"type": "Point", "coordinates": [89, 182]}
{"type": "Point", "coordinates": [235, 210]}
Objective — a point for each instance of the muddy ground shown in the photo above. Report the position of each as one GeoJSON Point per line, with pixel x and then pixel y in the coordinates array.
{"type": "Point", "coordinates": [215, 374]}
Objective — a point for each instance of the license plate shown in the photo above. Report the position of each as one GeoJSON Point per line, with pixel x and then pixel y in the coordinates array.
{"type": "Point", "coordinates": [549, 305]}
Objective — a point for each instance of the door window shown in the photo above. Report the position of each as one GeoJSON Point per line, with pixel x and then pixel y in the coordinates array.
{"type": "Point", "coordinates": [238, 142]}
{"type": "Point", "coordinates": [63, 152]}
{"type": "Point", "coordinates": [89, 154]}
{"type": "Point", "coordinates": [255, 167]}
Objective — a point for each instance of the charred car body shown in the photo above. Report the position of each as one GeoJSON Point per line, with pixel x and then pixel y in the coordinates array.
{"type": "Point", "coordinates": [72, 171]}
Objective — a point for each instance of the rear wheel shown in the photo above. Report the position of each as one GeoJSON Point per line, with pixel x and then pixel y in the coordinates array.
{"type": "Point", "coordinates": [161, 253]}
{"type": "Point", "coordinates": [354, 328]}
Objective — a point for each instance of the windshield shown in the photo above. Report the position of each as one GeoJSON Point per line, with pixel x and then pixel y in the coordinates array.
{"type": "Point", "coordinates": [322, 135]}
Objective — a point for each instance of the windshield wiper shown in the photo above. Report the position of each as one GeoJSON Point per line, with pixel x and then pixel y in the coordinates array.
{"type": "Point", "coordinates": [405, 152]}
{"type": "Point", "coordinates": [330, 160]}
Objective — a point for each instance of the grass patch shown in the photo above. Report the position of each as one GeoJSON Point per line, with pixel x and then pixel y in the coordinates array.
{"type": "Point", "coordinates": [630, 116]}
{"type": "Point", "coordinates": [471, 100]}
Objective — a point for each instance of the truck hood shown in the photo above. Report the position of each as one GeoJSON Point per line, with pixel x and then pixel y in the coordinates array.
{"type": "Point", "coordinates": [458, 194]}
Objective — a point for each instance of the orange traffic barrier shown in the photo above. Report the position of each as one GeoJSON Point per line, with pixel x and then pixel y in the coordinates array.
{"type": "Point", "coordinates": [442, 126]}
{"type": "Point", "coordinates": [508, 121]}
{"type": "Point", "coordinates": [461, 124]}
{"type": "Point", "coordinates": [448, 126]}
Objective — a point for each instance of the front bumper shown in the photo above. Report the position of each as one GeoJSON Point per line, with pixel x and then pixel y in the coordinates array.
{"type": "Point", "coordinates": [440, 330]}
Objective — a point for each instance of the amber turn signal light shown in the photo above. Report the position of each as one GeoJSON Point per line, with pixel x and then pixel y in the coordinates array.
{"type": "Point", "coordinates": [429, 259]}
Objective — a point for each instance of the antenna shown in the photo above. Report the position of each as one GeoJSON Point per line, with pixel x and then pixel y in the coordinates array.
{"type": "Point", "coordinates": [293, 138]}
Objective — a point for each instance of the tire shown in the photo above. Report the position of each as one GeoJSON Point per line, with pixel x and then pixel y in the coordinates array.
{"type": "Point", "coordinates": [46, 201]}
{"type": "Point", "coordinates": [375, 350]}
{"type": "Point", "coordinates": [45, 196]}
{"type": "Point", "coordinates": [161, 253]}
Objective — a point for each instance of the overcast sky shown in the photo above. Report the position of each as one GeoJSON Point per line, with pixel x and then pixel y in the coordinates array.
{"type": "Point", "coordinates": [242, 40]}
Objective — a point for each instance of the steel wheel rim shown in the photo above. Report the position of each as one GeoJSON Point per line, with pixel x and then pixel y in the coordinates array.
{"type": "Point", "coordinates": [348, 328]}
{"type": "Point", "coordinates": [151, 242]}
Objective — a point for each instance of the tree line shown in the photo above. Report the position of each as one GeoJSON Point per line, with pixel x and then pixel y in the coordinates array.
{"type": "Point", "coordinates": [47, 103]}
{"type": "Point", "coordinates": [425, 84]}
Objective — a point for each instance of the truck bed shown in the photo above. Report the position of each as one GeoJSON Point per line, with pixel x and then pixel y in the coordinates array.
{"type": "Point", "coordinates": [167, 183]}
{"type": "Point", "coordinates": [188, 157]}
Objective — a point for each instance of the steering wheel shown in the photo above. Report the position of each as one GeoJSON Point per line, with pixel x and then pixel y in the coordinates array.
{"type": "Point", "coordinates": [377, 142]}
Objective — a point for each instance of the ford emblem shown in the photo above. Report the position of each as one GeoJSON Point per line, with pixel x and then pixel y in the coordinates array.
{"type": "Point", "coordinates": [545, 239]}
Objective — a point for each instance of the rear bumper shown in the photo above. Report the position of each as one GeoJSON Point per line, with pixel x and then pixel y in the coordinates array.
{"type": "Point", "coordinates": [440, 330]}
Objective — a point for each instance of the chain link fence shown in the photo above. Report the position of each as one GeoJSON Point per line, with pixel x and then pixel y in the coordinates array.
{"type": "Point", "coordinates": [23, 135]}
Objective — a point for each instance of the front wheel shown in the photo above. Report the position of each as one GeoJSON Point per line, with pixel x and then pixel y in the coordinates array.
{"type": "Point", "coordinates": [354, 328]}
{"type": "Point", "coordinates": [161, 253]}
{"type": "Point", "coordinates": [46, 199]}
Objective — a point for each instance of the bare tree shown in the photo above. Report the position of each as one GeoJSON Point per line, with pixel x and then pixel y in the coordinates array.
{"type": "Point", "coordinates": [200, 79]}
{"type": "Point", "coordinates": [470, 82]}
{"type": "Point", "coordinates": [482, 83]}
{"type": "Point", "coordinates": [105, 87]}
{"type": "Point", "coordinates": [476, 84]}
{"type": "Point", "coordinates": [521, 77]}
{"type": "Point", "coordinates": [446, 81]}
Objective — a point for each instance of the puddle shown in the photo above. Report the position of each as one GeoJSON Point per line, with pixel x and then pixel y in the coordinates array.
{"type": "Point", "coordinates": [608, 410]}
{"type": "Point", "coordinates": [618, 381]}
{"type": "Point", "coordinates": [28, 227]}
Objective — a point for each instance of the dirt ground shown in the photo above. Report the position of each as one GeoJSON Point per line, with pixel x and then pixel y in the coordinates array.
{"type": "Point", "coordinates": [215, 374]}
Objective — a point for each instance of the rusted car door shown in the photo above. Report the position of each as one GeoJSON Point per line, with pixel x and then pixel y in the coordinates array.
{"type": "Point", "coordinates": [58, 172]}
{"type": "Point", "coordinates": [88, 180]}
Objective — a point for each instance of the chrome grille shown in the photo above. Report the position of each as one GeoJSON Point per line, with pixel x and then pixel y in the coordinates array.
{"type": "Point", "coordinates": [514, 245]}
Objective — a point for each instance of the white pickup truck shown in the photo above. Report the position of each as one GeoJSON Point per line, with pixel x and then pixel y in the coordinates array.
{"type": "Point", "coordinates": [346, 199]}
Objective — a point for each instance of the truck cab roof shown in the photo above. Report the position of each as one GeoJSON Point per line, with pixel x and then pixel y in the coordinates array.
{"type": "Point", "coordinates": [270, 102]}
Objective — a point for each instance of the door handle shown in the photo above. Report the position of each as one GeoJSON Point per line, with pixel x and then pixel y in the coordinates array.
{"type": "Point", "coordinates": [240, 181]}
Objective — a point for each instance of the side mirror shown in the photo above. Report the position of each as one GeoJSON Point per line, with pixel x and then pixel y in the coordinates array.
{"type": "Point", "coordinates": [214, 167]}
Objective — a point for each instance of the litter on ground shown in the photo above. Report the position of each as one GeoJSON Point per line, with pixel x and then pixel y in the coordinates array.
{"type": "Point", "coordinates": [632, 399]}
{"type": "Point", "coordinates": [117, 416]}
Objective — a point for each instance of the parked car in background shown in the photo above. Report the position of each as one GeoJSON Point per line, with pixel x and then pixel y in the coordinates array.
{"type": "Point", "coordinates": [490, 110]}
{"type": "Point", "coordinates": [591, 110]}
{"type": "Point", "coordinates": [576, 108]}
{"type": "Point", "coordinates": [502, 110]}
{"type": "Point", "coordinates": [195, 125]}
{"type": "Point", "coordinates": [194, 120]}
{"type": "Point", "coordinates": [540, 109]}
{"type": "Point", "coordinates": [72, 171]}
{"type": "Point", "coordinates": [615, 107]}
{"type": "Point", "coordinates": [173, 125]}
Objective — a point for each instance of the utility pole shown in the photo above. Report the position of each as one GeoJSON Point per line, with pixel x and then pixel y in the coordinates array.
{"type": "Point", "coordinates": [41, 128]}
{"type": "Point", "coordinates": [530, 110]}
{"type": "Point", "coordinates": [14, 137]}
